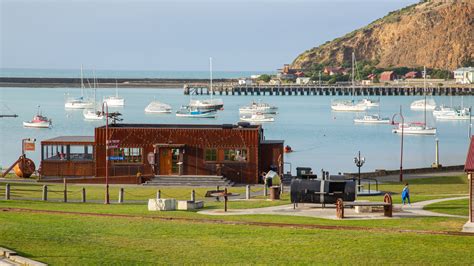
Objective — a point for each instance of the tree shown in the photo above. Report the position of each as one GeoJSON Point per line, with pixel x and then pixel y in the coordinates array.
{"type": "Point", "coordinates": [265, 77]}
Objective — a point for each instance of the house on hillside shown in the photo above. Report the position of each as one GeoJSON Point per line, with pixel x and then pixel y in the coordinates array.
{"type": "Point", "coordinates": [331, 71]}
{"type": "Point", "coordinates": [464, 75]}
{"type": "Point", "coordinates": [387, 76]}
{"type": "Point", "coordinates": [413, 75]}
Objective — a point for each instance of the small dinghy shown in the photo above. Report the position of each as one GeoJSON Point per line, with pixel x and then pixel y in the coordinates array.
{"type": "Point", "coordinates": [91, 114]}
{"type": "Point", "coordinates": [39, 121]}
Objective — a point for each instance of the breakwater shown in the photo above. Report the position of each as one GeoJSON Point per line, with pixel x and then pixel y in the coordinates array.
{"type": "Point", "coordinates": [102, 82]}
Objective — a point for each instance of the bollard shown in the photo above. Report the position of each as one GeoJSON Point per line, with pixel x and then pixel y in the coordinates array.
{"type": "Point", "coordinates": [158, 194]}
{"type": "Point", "coordinates": [281, 189]}
{"type": "Point", "coordinates": [265, 191]}
{"type": "Point", "coordinates": [45, 192]}
{"type": "Point", "coordinates": [7, 191]}
{"type": "Point", "coordinates": [65, 189]}
{"type": "Point", "coordinates": [120, 199]}
{"type": "Point", "coordinates": [247, 192]}
{"type": "Point", "coordinates": [217, 188]}
{"type": "Point", "coordinates": [193, 196]}
{"type": "Point", "coordinates": [83, 194]}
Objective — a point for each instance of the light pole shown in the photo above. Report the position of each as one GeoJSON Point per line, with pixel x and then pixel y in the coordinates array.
{"type": "Point", "coordinates": [401, 141]}
{"type": "Point", "coordinates": [106, 108]}
{"type": "Point", "coordinates": [359, 162]}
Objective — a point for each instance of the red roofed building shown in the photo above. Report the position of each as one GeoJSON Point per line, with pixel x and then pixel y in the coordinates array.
{"type": "Point", "coordinates": [413, 75]}
{"type": "Point", "coordinates": [469, 168]}
{"type": "Point", "coordinates": [387, 76]}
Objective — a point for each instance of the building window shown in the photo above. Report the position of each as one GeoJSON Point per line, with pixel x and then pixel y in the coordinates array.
{"type": "Point", "coordinates": [126, 155]}
{"type": "Point", "coordinates": [68, 152]}
{"type": "Point", "coordinates": [236, 155]}
{"type": "Point", "coordinates": [210, 155]}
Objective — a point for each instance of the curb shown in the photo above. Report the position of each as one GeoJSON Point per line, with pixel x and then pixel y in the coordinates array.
{"type": "Point", "coordinates": [14, 257]}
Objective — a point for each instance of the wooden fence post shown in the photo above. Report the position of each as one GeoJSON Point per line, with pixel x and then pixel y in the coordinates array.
{"type": "Point", "coordinates": [7, 191]}
{"type": "Point", "coordinates": [265, 191]}
{"type": "Point", "coordinates": [83, 194]}
{"type": "Point", "coordinates": [45, 192]}
{"type": "Point", "coordinates": [120, 199]}
{"type": "Point", "coordinates": [65, 189]}
{"type": "Point", "coordinates": [158, 194]}
{"type": "Point", "coordinates": [247, 192]}
{"type": "Point", "coordinates": [193, 196]}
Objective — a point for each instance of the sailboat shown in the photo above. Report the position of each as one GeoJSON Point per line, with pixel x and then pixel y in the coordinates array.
{"type": "Point", "coordinates": [208, 104]}
{"type": "Point", "coordinates": [80, 102]}
{"type": "Point", "coordinates": [373, 118]}
{"type": "Point", "coordinates": [349, 106]}
{"type": "Point", "coordinates": [115, 101]}
{"type": "Point", "coordinates": [417, 128]}
{"type": "Point", "coordinates": [459, 113]}
{"type": "Point", "coordinates": [93, 114]}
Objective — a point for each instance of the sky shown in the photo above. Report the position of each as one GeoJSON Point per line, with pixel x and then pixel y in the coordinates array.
{"type": "Point", "coordinates": [259, 35]}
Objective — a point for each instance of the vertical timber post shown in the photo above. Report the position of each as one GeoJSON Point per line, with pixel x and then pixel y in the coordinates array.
{"type": "Point", "coordinates": [65, 189]}
{"type": "Point", "coordinates": [120, 199]}
{"type": "Point", "coordinates": [193, 196]}
{"type": "Point", "coordinates": [247, 192]}
{"type": "Point", "coordinates": [158, 194]}
{"type": "Point", "coordinates": [265, 191]}
{"type": "Point", "coordinates": [7, 191]}
{"type": "Point", "coordinates": [45, 193]}
{"type": "Point", "coordinates": [83, 195]}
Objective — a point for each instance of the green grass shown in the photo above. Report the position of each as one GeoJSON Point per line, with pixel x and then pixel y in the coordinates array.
{"type": "Point", "coordinates": [456, 207]}
{"type": "Point", "coordinates": [76, 240]}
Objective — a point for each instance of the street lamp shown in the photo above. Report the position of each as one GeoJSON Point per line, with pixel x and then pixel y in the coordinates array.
{"type": "Point", "coordinates": [106, 108]}
{"type": "Point", "coordinates": [401, 141]}
{"type": "Point", "coordinates": [359, 162]}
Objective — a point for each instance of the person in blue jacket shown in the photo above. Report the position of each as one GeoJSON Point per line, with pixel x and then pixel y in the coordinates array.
{"type": "Point", "coordinates": [406, 195]}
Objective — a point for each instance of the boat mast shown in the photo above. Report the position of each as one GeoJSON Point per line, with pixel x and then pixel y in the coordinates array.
{"type": "Point", "coordinates": [210, 76]}
{"type": "Point", "coordinates": [353, 72]}
{"type": "Point", "coordinates": [116, 89]}
{"type": "Point", "coordinates": [82, 83]}
{"type": "Point", "coordinates": [424, 90]}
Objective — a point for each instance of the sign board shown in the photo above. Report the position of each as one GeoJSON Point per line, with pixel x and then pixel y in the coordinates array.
{"type": "Point", "coordinates": [116, 158]}
{"type": "Point", "coordinates": [113, 143]}
{"type": "Point", "coordinates": [29, 146]}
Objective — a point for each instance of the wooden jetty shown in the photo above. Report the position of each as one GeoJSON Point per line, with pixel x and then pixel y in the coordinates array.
{"type": "Point", "coordinates": [326, 90]}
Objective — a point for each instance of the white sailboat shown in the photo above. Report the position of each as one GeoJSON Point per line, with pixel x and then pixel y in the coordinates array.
{"type": "Point", "coordinates": [372, 119]}
{"type": "Point", "coordinates": [349, 106]}
{"type": "Point", "coordinates": [421, 105]}
{"type": "Point", "coordinates": [258, 107]}
{"type": "Point", "coordinates": [443, 110]}
{"type": "Point", "coordinates": [80, 102]}
{"type": "Point", "coordinates": [457, 114]}
{"type": "Point", "coordinates": [208, 104]}
{"type": "Point", "coordinates": [190, 112]}
{"type": "Point", "coordinates": [417, 128]}
{"type": "Point", "coordinates": [115, 101]}
{"type": "Point", "coordinates": [370, 103]}
{"type": "Point", "coordinates": [93, 114]}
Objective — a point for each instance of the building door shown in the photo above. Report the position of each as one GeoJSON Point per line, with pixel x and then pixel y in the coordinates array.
{"type": "Point", "coordinates": [165, 161]}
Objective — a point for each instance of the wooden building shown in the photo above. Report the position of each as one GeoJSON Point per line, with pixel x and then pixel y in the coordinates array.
{"type": "Point", "coordinates": [469, 168]}
{"type": "Point", "coordinates": [140, 151]}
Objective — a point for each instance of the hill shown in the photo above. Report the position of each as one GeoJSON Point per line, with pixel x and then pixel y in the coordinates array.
{"type": "Point", "coordinates": [436, 34]}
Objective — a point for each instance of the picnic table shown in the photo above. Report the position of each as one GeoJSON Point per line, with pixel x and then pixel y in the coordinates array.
{"type": "Point", "coordinates": [386, 204]}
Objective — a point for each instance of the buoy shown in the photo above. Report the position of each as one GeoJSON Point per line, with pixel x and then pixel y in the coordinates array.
{"type": "Point", "coordinates": [288, 149]}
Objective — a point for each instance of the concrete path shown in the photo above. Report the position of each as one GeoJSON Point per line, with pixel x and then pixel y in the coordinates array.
{"type": "Point", "coordinates": [315, 211]}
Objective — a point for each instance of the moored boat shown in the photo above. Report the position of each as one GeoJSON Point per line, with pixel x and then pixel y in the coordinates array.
{"type": "Point", "coordinates": [414, 129]}
{"type": "Point", "coordinates": [258, 117]}
{"type": "Point", "coordinates": [457, 114]}
{"type": "Point", "coordinates": [195, 113]}
{"type": "Point", "coordinates": [156, 107]}
{"type": "Point", "coordinates": [369, 102]}
{"type": "Point", "coordinates": [92, 114]}
{"type": "Point", "coordinates": [38, 121]}
{"type": "Point", "coordinates": [419, 105]}
{"type": "Point", "coordinates": [258, 107]}
{"type": "Point", "coordinates": [373, 119]}
{"type": "Point", "coordinates": [348, 106]}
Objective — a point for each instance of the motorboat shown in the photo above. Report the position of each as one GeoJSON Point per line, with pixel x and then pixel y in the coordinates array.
{"type": "Point", "coordinates": [369, 102]}
{"type": "Point", "coordinates": [373, 119]}
{"type": "Point", "coordinates": [458, 114]}
{"type": "Point", "coordinates": [38, 121]}
{"type": "Point", "coordinates": [207, 104]}
{"type": "Point", "coordinates": [115, 100]}
{"type": "Point", "coordinates": [443, 110]}
{"type": "Point", "coordinates": [258, 117]}
{"type": "Point", "coordinates": [157, 107]}
{"type": "Point", "coordinates": [92, 114]}
{"type": "Point", "coordinates": [258, 107]}
{"type": "Point", "coordinates": [419, 105]}
{"type": "Point", "coordinates": [187, 111]}
{"type": "Point", "coordinates": [414, 129]}
{"type": "Point", "coordinates": [348, 106]}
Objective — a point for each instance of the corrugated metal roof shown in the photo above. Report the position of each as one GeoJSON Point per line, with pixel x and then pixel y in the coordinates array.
{"type": "Point", "coordinates": [469, 166]}
{"type": "Point", "coordinates": [84, 139]}
{"type": "Point", "coordinates": [192, 126]}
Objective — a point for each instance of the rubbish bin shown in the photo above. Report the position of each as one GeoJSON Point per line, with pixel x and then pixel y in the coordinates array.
{"type": "Point", "coordinates": [275, 193]}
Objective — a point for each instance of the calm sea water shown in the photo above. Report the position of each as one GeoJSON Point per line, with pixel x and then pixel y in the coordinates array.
{"type": "Point", "coordinates": [76, 73]}
{"type": "Point", "coordinates": [321, 138]}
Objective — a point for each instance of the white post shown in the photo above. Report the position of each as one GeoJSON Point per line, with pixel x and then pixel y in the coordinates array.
{"type": "Point", "coordinates": [120, 199]}
{"type": "Point", "coordinates": [247, 192]}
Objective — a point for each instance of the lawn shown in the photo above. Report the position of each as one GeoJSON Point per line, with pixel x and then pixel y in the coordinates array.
{"type": "Point", "coordinates": [80, 240]}
{"type": "Point", "coordinates": [456, 207]}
